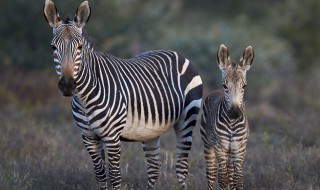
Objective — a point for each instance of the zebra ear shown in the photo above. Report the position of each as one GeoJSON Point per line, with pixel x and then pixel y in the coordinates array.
{"type": "Point", "coordinates": [51, 14]}
{"type": "Point", "coordinates": [247, 58]}
{"type": "Point", "coordinates": [83, 14]}
{"type": "Point", "coordinates": [223, 57]}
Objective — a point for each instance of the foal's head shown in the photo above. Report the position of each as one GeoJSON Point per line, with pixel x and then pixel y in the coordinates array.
{"type": "Point", "coordinates": [234, 78]}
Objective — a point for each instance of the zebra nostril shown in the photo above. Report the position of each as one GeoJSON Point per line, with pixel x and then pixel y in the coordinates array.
{"type": "Point", "coordinates": [61, 84]}
{"type": "Point", "coordinates": [67, 86]}
{"type": "Point", "coordinates": [235, 112]}
{"type": "Point", "coordinates": [73, 84]}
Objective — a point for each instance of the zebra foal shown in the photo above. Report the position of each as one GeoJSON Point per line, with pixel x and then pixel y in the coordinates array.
{"type": "Point", "coordinates": [224, 125]}
{"type": "Point", "coordinates": [116, 99]}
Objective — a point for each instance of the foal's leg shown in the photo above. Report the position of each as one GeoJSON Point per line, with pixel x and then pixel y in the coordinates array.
{"type": "Point", "coordinates": [230, 168]}
{"type": "Point", "coordinates": [238, 152]}
{"type": "Point", "coordinates": [211, 168]}
{"type": "Point", "coordinates": [222, 158]}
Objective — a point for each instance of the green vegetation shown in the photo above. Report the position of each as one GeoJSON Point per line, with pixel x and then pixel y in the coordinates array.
{"type": "Point", "coordinates": [41, 147]}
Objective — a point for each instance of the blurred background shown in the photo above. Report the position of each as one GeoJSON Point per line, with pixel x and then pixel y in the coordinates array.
{"type": "Point", "coordinates": [41, 148]}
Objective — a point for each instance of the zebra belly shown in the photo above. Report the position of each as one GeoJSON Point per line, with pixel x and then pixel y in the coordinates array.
{"type": "Point", "coordinates": [142, 131]}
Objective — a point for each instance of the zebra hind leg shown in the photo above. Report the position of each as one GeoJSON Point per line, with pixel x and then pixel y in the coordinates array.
{"type": "Point", "coordinates": [184, 129]}
{"type": "Point", "coordinates": [95, 148]}
{"type": "Point", "coordinates": [151, 150]}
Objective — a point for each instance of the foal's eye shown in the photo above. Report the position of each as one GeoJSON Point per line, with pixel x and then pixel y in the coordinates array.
{"type": "Point", "coordinates": [244, 86]}
{"type": "Point", "coordinates": [225, 86]}
{"type": "Point", "coordinates": [80, 47]}
{"type": "Point", "coordinates": [53, 47]}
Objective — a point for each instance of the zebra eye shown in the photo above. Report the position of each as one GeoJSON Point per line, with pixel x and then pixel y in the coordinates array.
{"type": "Point", "coordinates": [225, 86]}
{"type": "Point", "coordinates": [53, 47]}
{"type": "Point", "coordinates": [244, 86]}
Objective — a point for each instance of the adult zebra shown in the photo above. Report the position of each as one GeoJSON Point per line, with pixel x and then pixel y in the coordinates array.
{"type": "Point", "coordinates": [115, 99]}
{"type": "Point", "coordinates": [224, 124]}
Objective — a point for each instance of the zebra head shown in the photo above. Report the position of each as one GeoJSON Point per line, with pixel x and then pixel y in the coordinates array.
{"type": "Point", "coordinates": [67, 44]}
{"type": "Point", "coordinates": [234, 78]}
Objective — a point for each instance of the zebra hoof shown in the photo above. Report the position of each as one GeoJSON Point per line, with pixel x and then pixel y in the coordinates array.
{"type": "Point", "coordinates": [210, 186]}
{"type": "Point", "coordinates": [183, 186]}
{"type": "Point", "coordinates": [150, 188]}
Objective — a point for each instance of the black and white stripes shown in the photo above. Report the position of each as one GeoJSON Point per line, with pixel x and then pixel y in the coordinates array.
{"type": "Point", "coordinates": [224, 125]}
{"type": "Point", "coordinates": [115, 99]}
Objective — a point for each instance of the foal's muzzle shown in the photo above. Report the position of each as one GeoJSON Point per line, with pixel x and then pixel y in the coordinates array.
{"type": "Point", "coordinates": [235, 112]}
{"type": "Point", "coordinates": [67, 86]}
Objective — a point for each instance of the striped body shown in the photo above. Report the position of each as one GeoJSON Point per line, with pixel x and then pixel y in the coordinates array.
{"type": "Point", "coordinates": [115, 99]}
{"type": "Point", "coordinates": [149, 94]}
{"type": "Point", "coordinates": [139, 99]}
{"type": "Point", "coordinates": [224, 125]}
{"type": "Point", "coordinates": [225, 141]}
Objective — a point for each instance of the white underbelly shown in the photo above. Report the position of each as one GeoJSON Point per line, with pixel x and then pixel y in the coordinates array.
{"type": "Point", "coordinates": [141, 131]}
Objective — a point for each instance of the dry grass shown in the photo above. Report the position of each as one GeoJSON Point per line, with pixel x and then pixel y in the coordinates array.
{"type": "Point", "coordinates": [42, 155]}
{"type": "Point", "coordinates": [41, 148]}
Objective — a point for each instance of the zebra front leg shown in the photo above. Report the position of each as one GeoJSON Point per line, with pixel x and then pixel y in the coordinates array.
{"type": "Point", "coordinates": [237, 160]}
{"type": "Point", "coordinates": [152, 153]}
{"type": "Point", "coordinates": [95, 148]}
{"type": "Point", "coordinates": [230, 168]}
{"type": "Point", "coordinates": [238, 152]}
{"type": "Point", "coordinates": [222, 158]}
{"type": "Point", "coordinates": [113, 152]}
{"type": "Point", "coordinates": [211, 166]}
{"type": "Point", "coordinates": [238, 177]}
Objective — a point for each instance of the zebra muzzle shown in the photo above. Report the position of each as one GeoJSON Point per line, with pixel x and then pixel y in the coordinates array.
{"type": "Point", "coordinates": [235, 112]}
{"type": "Point", "coordinates": [67, 86]}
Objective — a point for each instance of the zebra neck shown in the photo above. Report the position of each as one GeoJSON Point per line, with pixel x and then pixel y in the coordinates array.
{"type": "Point", "coordinates": [97, 83]}
{"type": "Point", "coordinates": [93, 80]}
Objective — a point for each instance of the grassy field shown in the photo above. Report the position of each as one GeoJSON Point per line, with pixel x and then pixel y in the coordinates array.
{"type": "Point", "coordinates": [41, 148]}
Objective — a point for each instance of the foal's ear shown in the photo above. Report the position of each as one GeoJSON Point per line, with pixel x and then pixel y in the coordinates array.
{"type": "Point", "coordinates": [247, 58]}
{"type": "Point", "coordinates": [51, 14]}
{"type": "Point", "coordinates": [223, 57]}
{"type": "Point", "coordinates": [83, 14]}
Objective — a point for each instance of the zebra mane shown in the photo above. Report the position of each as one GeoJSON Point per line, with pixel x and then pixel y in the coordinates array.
{"type": "Point", "coordinates": [90, 40]}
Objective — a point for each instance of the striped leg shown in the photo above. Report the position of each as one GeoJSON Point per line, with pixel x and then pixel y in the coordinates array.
{"type": "Point", "coordinates": [238, 177]}
{"type": "Point", "coordinates": [114, 150]}
{"type": "Point", "coordinates": [184, 143]}
{"type": "Point", "coordinates": [237, 159]}
{"type": "Point", "coordinates": [152, 150]}
{"type": "Point", "coordinates": [210, 157]}
{"type": "Point", "coordinates": [230, 168]}
{"type": "Point", "coordinates": [183, 132]}
{"type": "Point", "coordinates": [95, 147]}
{"type": "Point", "coordinates": [222, 158]}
